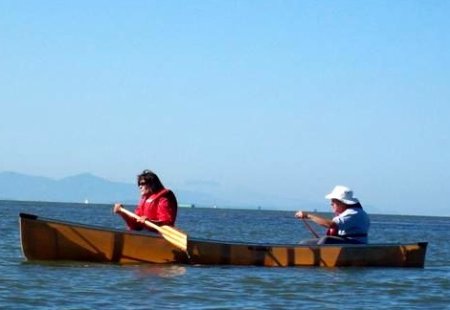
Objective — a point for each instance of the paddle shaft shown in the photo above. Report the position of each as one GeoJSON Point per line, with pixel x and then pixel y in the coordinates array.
{"type": "Point", "coordinates": [135, 216]}
{"type": "Point", "coordinates": [310, 228]}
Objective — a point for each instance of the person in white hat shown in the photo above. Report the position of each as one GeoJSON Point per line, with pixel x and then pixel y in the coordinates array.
{"type": "Point", "coordinates": [350, 224]}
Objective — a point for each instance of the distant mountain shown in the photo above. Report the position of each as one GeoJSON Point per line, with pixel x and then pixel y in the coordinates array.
{"type": "Point", "coordinates": [88, 187]}
{"type": "Point", "coordinates": [80, 188]}
{"type": "Point", "coordinates": [77, 188]}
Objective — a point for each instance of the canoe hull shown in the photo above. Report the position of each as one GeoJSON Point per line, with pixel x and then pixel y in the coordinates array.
{"type": "Point", "coordinates": [45, 239]}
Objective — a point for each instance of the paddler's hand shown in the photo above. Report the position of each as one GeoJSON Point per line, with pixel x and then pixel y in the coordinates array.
{"type": "Point", "coordinates": [301, 215]}
{"type": "Point", "coordinates": [141, 219]}
{"type": "Point", "coordinates": [117, 207]}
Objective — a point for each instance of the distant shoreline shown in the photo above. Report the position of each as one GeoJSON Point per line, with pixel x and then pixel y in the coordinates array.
{"type": "Point", "coordinates": [200, 206]}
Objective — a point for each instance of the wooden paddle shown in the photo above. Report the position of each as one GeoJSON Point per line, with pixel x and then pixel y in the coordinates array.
{"type": "Point", "coordinates": [173, 235]}
{"type": "Point", "coordinates": [310, 228]}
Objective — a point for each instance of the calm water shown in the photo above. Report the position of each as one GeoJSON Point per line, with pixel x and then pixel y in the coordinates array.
{"type": "Point", "coordinates": [86, 286]}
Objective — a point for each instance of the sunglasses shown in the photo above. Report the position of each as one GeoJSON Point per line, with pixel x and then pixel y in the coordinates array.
{"type": "Point", "coordinates": [142, 183]}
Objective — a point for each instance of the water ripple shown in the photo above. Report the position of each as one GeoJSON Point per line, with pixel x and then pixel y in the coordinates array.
{"type": "Point", "coordinates": [72, 285]}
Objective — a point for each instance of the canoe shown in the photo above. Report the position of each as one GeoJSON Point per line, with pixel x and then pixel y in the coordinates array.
{"type": "Point", "coordinates": [45, 239]}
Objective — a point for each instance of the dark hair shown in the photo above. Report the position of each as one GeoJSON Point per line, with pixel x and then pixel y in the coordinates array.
{"type": "Point", "coordinates": [151, 179]}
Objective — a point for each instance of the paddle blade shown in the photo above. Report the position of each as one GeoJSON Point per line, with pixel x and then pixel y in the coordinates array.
{"type": "Point", "coordinates": [174, 236]}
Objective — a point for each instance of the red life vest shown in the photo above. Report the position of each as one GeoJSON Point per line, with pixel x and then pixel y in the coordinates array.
{"type": "Point", "coordinates": [332, 231]}
{"type": "Point", "coordinates": [160, 208]}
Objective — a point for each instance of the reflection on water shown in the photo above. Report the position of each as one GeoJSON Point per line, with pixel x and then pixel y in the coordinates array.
{"type": "Point", "coordinates": [162, 271]}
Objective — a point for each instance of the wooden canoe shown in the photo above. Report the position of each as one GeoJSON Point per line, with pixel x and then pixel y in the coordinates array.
{"type": "Point", "coordinates": [47, 239]}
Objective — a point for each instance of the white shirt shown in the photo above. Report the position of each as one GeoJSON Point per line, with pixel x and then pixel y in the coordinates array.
{"type": "Point", "coordinates": [353, 223]}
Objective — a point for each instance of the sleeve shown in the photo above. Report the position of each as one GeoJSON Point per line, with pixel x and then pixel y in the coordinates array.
{"type": "Point", "coordinates": [338, 221]}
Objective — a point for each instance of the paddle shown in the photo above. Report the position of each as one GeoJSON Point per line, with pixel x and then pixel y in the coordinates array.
{"type": "Point", "coordinates": [310, 228]}
{"type": "Point", "coordinates": [174, 236]}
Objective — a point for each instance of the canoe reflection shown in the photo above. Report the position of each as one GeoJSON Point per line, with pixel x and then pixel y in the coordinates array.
{"type": "Point", "coordinates": [162, 271]}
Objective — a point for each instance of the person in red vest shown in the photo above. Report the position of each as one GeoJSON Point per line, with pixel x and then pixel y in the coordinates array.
{"type": "Point", "coordinates": [157, 204]}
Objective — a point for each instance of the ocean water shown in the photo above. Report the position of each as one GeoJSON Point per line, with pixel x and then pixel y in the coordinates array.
{"type": "Point", "coordinates": [74, 285]}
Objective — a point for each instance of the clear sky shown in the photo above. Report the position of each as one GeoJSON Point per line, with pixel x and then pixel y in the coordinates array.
{"type": "Point", "coordinates": [271, 102]}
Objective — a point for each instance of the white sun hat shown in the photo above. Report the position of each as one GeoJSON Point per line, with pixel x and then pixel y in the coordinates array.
{"type": "Point", "coordinates": [344, 194]}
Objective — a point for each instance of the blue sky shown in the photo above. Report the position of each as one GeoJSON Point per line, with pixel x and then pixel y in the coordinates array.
{"type": "Point", "coordinates": [269, 103]}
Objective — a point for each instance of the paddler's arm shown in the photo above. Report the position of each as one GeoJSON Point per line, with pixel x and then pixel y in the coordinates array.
{"type": "Point", "coordinates": [131, 222]}
{"type": "Point", "coordinates": [116, 210]}
{"type": "Point", "coordinates": [315, 218]}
